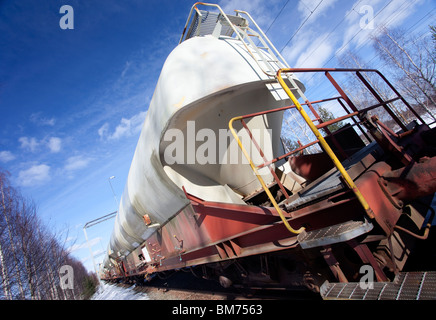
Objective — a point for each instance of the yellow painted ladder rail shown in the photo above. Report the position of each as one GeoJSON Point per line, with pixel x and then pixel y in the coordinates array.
{"type": "Point", "coordinates": [350, 183]}
{"type": "Point", "coordinates": [253, 167]}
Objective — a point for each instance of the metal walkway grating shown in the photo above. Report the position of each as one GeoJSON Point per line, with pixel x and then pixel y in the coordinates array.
{"type": "Point", "coordinates": [333, 234]}
{"type": "Point", "coordinates": [406, 286]}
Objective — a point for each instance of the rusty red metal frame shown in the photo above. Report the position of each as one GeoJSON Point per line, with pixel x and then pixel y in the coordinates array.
{"type": "Point", "coordinates": [342, 96]}
{"type": "Point", "coordinates": [260, 228]}
{"type": "Point", "coordinates": [233, 230]}
{"type": "Point", "coordinates": [359, 72]}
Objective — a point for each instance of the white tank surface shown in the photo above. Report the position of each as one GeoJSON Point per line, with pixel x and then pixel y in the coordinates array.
{"type": "Point", "coordinates": [205, 81]}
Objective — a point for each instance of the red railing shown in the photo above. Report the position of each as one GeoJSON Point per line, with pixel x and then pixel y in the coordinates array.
{"type": "Point", "coordinates": [355, 114]}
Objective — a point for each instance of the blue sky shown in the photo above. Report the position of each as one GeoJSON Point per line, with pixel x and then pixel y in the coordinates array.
{"type": "Point", "coordinates": [73, 101]}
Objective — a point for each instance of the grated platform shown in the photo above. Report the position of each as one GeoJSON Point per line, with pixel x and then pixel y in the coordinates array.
{"type": "Point", "coordinates": [406, 286]}
{"type": "Point", "coordinates": [333, 234]}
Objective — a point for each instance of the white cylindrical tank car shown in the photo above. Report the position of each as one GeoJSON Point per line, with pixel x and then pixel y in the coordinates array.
{"type": "Point", "coordinates": [213, 75]}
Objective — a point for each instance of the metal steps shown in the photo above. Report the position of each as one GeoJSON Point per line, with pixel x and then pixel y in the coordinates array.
{"type": "Point", "coordinates": [334, 234]}
{"type": "Point", "coordinates": [406, 286]}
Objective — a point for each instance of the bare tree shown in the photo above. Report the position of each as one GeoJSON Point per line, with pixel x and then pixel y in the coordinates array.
{"type": "Point", "coordinates": [412, 63]}
{"type": "Point", "coordinates": [31, 254]}
{"type": "Point", "coordinates": [5, 276]}
{"type": "Point", "coordinates": [8, 208]}
{"type": "Point", "coordinates": [362, 97]}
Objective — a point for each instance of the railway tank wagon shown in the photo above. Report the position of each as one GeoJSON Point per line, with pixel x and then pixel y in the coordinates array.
{"type": "Point", "coordinates": [211, 187]}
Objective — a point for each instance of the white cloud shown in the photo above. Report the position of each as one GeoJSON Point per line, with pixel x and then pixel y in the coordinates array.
{"type": "Point", "coordinates": [42, 121]}
{"type": "Point", "coordinates": [396, 13]}
{"type": "Point", "coordinates": [126, 68]}
{"type": "Point", "coordinates": [103, 130]}
{"type": "Point", "coordinates": [308, 47]}
{"type": "Point", "coordinates": [260, 10]}
{"type": "Point", "coordinates": [6, 156]}
{"type": "Point", "coordinates": [380, 14]}
{"type": "Point", "coordinates": [76, 163]}
{"type": "Point", "coordinates": [35, 175]}
{"type": "Point", "coordinates": [54, 144]}
{"type": "Point", "coordinates": [90, 243]}
{"type": "Point", "coordinates": [291, 53]}
{"type": "Point", "coordinates": [316, 8]}
{"type": "Point", "coordinates": [126, 127]}
{"type": "Point", "coordinates": [316, 54]}
{"type": "Point", "coordinates": [29, 143]}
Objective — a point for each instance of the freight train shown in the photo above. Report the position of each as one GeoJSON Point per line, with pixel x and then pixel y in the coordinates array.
{"type": "Point", "coordinates": [212, 187]}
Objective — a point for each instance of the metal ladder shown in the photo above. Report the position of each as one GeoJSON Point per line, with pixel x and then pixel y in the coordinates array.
{"type": "Point", "coordinates": [270, 63]}
{"type": "Point", "coordinates": [267, 57]}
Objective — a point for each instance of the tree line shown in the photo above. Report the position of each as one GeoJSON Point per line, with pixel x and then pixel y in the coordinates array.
{"type": "Point", "coordinates": [31, 255]}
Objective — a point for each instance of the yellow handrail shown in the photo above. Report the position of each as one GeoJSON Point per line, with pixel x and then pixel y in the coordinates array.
{"type": "Point", "coordinates": [253, 167]}
{"type": "Point", "coordinates": [325, 145]}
